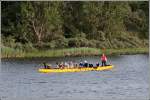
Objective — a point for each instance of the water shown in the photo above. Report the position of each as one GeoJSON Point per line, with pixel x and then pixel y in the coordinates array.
{"type": "Point", "coordinates": [19, 80]}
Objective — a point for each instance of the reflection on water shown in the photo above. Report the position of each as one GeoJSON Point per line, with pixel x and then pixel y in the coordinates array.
{"type": "Point", "coordinates": [19, 80]}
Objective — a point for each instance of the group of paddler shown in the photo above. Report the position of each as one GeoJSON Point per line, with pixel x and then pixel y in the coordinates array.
{"type": "Point", "coordinates": [76, 65]}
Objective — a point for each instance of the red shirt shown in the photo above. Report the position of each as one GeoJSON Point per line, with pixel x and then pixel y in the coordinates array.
{"type": "Point", "coordinates": [103, 58]}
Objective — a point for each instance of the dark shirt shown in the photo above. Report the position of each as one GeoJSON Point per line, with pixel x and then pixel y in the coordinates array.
{"type": "Point", "coordinates": [81, 64]}
{"type": "Point", "coordinates": [97, 64]}
{"type": "Point", "coordinates": [85, 64]}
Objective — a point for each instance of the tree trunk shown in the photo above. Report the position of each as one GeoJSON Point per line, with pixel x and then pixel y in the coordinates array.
{"type": "Point", "coordinates": [38, 32]}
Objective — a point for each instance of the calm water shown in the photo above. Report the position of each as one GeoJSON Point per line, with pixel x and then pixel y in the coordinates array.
{"type": "Point", "coordinates": [19, 80]}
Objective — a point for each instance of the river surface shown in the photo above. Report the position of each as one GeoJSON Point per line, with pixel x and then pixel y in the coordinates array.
{"type": "Point", "coordinates": [19, 80]}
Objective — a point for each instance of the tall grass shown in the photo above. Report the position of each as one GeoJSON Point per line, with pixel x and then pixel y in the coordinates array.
{"type": "Point", "coordinates": [63, 52]}
{"type": "Point", "coordinates": [84, 52]}
{"type": "Point", "coordinates": [9, 52]}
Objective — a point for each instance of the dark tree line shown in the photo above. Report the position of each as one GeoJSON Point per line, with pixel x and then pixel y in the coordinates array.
{"type": "Point", "coordinates": [111, 24]}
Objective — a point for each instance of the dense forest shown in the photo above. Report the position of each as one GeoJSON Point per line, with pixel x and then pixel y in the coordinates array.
{"type": "Point", "coordinates": [44, 25]}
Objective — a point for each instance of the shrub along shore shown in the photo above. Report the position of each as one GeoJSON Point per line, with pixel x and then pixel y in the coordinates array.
{"type": "Point", "coordinates": [82, 51]}
{"type": "Point", "coordinates": [44, 29]}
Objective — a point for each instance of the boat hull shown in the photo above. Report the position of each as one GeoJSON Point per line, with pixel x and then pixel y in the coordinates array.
{"type": "Point", "coordinates": [101, 68]}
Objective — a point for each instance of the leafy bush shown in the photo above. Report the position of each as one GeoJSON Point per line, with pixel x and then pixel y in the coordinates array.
{"type": "Point", "coordinates": [93, 43]}
{"type": "Point", "coordinates": [52, 44]}
{"type": "Point", "coordinates": [19, 46]}
{"type": "Point", "coordinates": [101, 36]}
{"type": "Point", "coordinates": [83, 42]}
{"type": "Point", "coordinates": [73, 42]}
{"type": "Point", "coordinates": [28, 47]}
{"type": "Point", "coordinates": [58, 42]}
{"type": "Point", "coordinates": [78, 42]}
{"type": "Point", "coordinates": [81, 35]}
{"type": "Point", "coordinates": [8, 41]}
{"type": "Point", "coordinates": [61, 43]}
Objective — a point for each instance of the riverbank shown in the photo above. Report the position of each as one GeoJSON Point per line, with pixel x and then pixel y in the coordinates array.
{"type": "Point", "coordinates": [15, 53]}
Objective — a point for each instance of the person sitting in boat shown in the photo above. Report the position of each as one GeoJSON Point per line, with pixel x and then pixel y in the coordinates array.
{"type": "Point", "coordinates": [46, 66]}
{"type": "Point", "coordinates": [76, 65]}
{"type": "Point", "coordinates": [97, 64]}
{"type": "Point", "coordinates": [104, 59]}
{"type": "Point", "coordinates": [61, 65]}
{"type": "Point", "coordinates": [71, 64]}
{"type": "Point", "coordinates": [49, 66]}
{"type": "Point", "coordinates": [85, 63]}
{"type": "Point", "coordinates": [90, 65]}
{"type": "Point", "coordinates": [57, 65]}
{"type": "Point", "coordinates": [80, 64]}
{"type": "Point", "coordinates": [66, 65]}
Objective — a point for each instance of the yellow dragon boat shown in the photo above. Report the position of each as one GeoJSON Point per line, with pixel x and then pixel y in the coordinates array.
{"type": "Point", "coordinates": [58, 70]}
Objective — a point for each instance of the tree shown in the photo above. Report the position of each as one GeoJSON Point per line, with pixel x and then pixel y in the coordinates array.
{"type": "Point", "coordinates": [47, 22]}
{"type": "Point", "coordinates": [72, 15]}
{"type": "Point", "coordinates": [43, 18]}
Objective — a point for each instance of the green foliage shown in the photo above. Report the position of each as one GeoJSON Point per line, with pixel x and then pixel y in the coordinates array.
{"type": "Point", "coordinates": [61, 43]}
{"type": "Point", "coordinates": [29, 25]}
{"type": "Point", "coordinates": [73, 42]}
{"type": "Point", "coordinates": [28, 47]}
{"type": "Point", "coordinates": [43, 18]}
{"type": "Point", "coordinates": [93, 43]}
{"type": "Point", "coordinates": [78, 42]}
{"type": "Point", "coordinates": [138, 20]}
{"type": "Point", "coordinates": [11, 52]}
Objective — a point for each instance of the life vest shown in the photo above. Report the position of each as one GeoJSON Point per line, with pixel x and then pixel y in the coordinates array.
{"type": "Point", "coordinates": [103, 58]}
